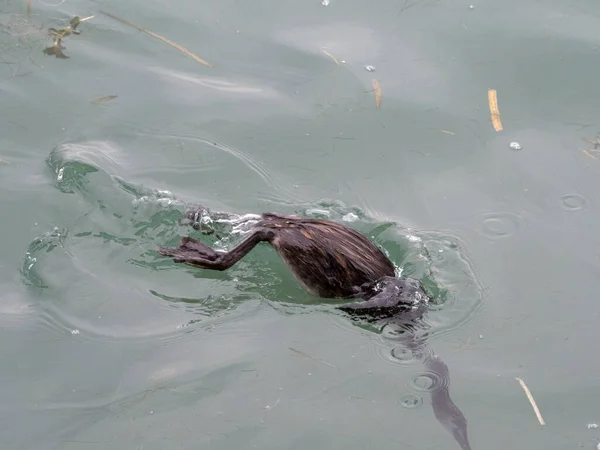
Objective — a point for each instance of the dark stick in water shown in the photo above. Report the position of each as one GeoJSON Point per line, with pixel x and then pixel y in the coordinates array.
{"type": "Point", "coordinates": [333, 261]}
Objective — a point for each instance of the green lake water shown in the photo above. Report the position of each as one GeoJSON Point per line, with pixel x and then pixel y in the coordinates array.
{"type": "Point", "coordinates": [106, 345]}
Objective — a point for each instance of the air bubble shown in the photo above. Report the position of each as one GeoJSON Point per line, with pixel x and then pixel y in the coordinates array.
{"type": "Point", "coordinates": [424, 382]}
{"type": "Point", "coordinates": [500, 225]}
{"type": "Point", "coordinates": [410, 401]}
{"type": "Point", "coordinates": [402, 354]}
{"type": "Point", "coordinates": [515, 146]}
{"type": "Point", "coordinates": [393, 332]}
{"type": "Point", "coordinates": [428, 382]}
{"type": "Point", "coordinates": [573, 202]}
{"type": "Point", "coordinates": [413, 238]}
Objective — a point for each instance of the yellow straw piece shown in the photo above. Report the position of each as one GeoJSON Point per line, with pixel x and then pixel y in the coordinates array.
{"type": "Point", "coordinates": [532, 401]}
{"type": "Point", "coordinates": [377, 90]}
{"type": "Point", "coordinates": [337, 63]}
{"type": "Point", "coordinates": [493, 100]}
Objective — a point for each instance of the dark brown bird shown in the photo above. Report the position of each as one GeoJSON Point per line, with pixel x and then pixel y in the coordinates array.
{"type": "Point", "coordinates": [334, 261]}
{"type": "Point", "coordinates": [328, 259]}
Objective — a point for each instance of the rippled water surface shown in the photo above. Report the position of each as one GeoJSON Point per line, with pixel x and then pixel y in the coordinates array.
{"type": "Point", "coordinates": [372, 114]}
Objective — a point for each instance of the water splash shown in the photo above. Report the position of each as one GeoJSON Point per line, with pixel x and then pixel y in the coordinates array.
{"type": "Point", "coordinates": [38, 249]}
{"type": "Point", "coordinates": [123, 222]}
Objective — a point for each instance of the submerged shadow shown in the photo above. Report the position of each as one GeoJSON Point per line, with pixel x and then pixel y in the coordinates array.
{"type": "Point", "coordinates": [411, 333]}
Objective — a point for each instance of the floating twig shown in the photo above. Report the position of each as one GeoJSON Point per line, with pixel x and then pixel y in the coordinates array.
{"type": "Point", "coordinates": [312, 357]}
{"type": "Point", "coordinates": [332, 57]}
{"type": "Point", "coordinates": [532, 401]}
{"type": "Point", "coordinates": [595, 143]}
{"type": "Point", "coordinates": [160, 38]}
{"type": "Point", "coordinates": [495, 113]}
{"type": "Point", "coordinates": [29, 7]}
{"type": "Point", "coordinates": [57, 48]}
{"type": "Point", "coordinates": [448, 132]}
{"type": "Point", "coordinates": [377, 91]}
{"type": "Point", "coordinates": [106, 98]}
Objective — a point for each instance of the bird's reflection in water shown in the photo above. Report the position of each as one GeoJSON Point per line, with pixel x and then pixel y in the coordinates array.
{"type": "Point", "coordinates": [436, 374]}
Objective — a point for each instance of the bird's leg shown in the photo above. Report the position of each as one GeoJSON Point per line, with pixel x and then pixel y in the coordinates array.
{"type": "Point", "coordinates": [197, 254]}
